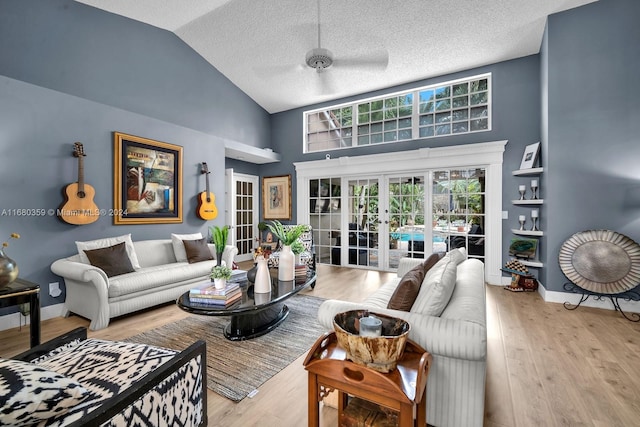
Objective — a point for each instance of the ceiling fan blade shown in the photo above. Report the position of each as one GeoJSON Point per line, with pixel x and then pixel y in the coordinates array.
{"type": "Point", "coordinates": [378, 59]}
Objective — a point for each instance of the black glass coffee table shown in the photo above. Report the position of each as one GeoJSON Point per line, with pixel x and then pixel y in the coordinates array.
{"type": "Point", "coordinates": [253, 315]}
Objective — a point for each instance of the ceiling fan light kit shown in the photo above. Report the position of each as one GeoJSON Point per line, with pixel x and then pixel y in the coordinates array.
{"type": "Point", "coordinates": [319, 58]}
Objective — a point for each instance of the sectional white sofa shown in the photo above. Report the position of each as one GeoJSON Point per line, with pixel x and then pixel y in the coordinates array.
{"type": "Point", "coordinates": [161, 274]}
{"type": "Point", "coordinates": [457, 337]}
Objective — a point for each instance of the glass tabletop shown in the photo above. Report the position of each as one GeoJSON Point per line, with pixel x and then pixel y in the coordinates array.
{"type": "Point", "coordinates": [249, 301]}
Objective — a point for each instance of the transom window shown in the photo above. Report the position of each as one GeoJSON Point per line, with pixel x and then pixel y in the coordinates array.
{"type": "Point", "coordinates": [455, 107]}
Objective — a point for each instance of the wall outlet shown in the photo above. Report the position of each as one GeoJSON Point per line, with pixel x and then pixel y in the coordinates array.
{"type": "Point", "coordinates": [505, 214]}
{"type": "Point", "coordinates": [54, 289]}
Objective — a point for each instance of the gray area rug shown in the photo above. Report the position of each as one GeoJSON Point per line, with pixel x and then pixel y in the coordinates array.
{"type": "Point", "coordinates": [236, 368]}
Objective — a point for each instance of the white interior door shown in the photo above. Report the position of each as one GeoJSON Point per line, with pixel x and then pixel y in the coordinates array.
{"type": "Point", "coordinates": [243, 212]}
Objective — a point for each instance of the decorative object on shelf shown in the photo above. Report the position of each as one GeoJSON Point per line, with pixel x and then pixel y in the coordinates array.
{"type": "Point", "coordinates": [276, 197]}
{"type": "Point", "coordinates": [219, 237]}
{"type": "Point", "coordinates": [523, 248]}
{"type": "Point", "coordinates": [530, 156]}
{"type": "Point", "coordinates": [262, 282]}
{"type": "Point", "coordinates": [380, 353]}
{"type": "Point", "coordinates": [147, 181]}
{"type": "Point", "coordinates": [534, 189]}
{"type": "Point", "coordinates": [522, 190]}
{"type": "Point", "coordinates": [522, 219]}
{"type": "Point", "coordinates": [8, 267]}
{"type": "Point", "coordinates": [601, 264]}
{"type": "Point", "coordinates": [220, 274]}
{"type": "Point", "coordinates": [534, 219]}
{"type": "Point", "coordinates": [297, 248]}
{"type": "Point", "coordinates": [287, 236]}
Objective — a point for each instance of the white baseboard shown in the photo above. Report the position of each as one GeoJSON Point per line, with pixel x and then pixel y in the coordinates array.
{"type": "Point", "coordinates": [571, 298]}
{"type": "Point", "coordinates": [15, 320]}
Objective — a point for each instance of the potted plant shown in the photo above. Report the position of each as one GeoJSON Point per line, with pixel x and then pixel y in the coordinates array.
{"type": "Point", "coordinates": [297, 248]}
{"type": "Point", "coordinates": [220, 274]}
{"type": "Point", "coordinates": [219, 237]}
{"type": "Point", "coordinates": [286, 235]}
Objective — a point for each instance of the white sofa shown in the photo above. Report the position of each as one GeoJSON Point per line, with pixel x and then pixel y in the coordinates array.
{"type": "Point", "coordinates": [457, 339]}
{"type": "Point", "coordinates": [159, 279]}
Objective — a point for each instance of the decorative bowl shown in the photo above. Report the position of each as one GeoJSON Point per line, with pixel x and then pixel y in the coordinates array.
{"type": "Point", "coordinates": [378, 353]}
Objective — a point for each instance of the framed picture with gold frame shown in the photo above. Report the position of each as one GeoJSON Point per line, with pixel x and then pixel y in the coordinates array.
{"type": "Point", "coordinates": [147, 181]}
{"type": "Point", "coordinates": [276, 197]}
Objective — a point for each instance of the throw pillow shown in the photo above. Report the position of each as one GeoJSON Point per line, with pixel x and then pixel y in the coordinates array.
{"type": "Point", "coordinates": [407, 290]}
{"type": "Point", "coordinates": [437, 288]}
{"type": "Point", "coordinates": [109, 241]}
{"type": "Point", "coordinates": [113, 260]}
{"type": "Point", "coordinates": [30, 393]}
{"type": "Point", "coordinates": [178, 245]}
{"type": "Point", "coordinates": [197, 250]}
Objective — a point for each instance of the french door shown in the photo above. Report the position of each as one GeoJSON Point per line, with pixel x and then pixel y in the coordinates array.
{"type": "Point", "coordinates": [243, 212]}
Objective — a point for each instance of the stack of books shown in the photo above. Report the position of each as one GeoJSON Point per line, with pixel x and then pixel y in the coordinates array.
{"type": "Point", "coordinates": [219, 297]}
{"type": "Point", "coordinates": [238, 276]}
{"type": "Point", "coordinates": [301, 270]}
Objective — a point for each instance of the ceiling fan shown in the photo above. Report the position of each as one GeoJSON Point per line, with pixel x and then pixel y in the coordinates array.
{"type": "Point", "coordinates": [320, 58]}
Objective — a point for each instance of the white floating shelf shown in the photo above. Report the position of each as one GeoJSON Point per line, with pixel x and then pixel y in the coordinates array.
{"type": "Point", "coordinates": [528, 202]}
{"type": "Point", "coordinates": [533, 263]}
{"type": "Point", "coordinates": [527, 232]}
{"type": "Point", "coordinates": [524, 172]}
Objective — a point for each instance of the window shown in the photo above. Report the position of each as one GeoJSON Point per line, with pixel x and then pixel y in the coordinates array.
{"type": "Point", "coordinates": [455, 107]}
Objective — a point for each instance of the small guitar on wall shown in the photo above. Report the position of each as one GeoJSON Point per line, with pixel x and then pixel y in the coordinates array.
{"type": "Point", "coordinates": [207, 209]}
{"type": "Point", "coordinates": [78, 207]}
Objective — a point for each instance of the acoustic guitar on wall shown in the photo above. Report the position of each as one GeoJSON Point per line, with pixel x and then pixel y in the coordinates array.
{"type": "Point", "coordinates": [78, 207]}
{"type": "Point", "coordinates": [207, 209]}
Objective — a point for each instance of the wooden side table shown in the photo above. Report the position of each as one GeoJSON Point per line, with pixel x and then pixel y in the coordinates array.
{"type": "Point", "coordinates": [21, 292]}
{"type": "Point", "coordinates": [400, 390]}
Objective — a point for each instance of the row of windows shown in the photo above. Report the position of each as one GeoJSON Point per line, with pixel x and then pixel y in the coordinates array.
{"type": "Point", "coordinates": [461, 106]}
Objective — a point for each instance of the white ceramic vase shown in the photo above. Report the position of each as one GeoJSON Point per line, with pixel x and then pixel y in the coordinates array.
{"type": "Point", "coordinates": [286, 264]}
{"type": "Point", "coordinates": [262, 283]}
{"type": "Point", "coordinates": [220, 283]}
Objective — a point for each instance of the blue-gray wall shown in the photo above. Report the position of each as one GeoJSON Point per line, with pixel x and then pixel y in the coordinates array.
{"type": "Point", "coordinates": [592, 131]}
{"type": "Point", "coordinates": [70, 72]}
{"type": "Point", "coordinates": [516, 118]}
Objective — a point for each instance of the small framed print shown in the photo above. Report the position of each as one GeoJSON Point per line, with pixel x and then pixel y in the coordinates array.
{"type": "Point", "coordinates": [530, 156]}
{"type": "Point", "coordinates": [276, 197]}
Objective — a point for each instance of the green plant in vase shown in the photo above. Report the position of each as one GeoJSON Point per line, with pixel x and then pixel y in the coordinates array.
{"type": "Point", "coordinates": [287, 235]}
{"type": "Point", "coordinates": [220, 272]}
{"type": "Point", "coordinates": [297, 248]}
{"type": "Point", "coordinates": [219, 237]}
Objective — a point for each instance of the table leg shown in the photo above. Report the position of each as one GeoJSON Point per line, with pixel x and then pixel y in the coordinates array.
{"type": "Point", "coordinates": [421, 416]}
{"type": "Point", "coordinates": [314, 412]}
{"type": "Point", "coordinates": [406, 416]}
{"type": "Point", "coordinates": [34, 318]}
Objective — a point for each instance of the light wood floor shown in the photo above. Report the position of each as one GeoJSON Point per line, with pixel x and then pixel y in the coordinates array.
{"type": "Point", "coordinates": [547, 366]}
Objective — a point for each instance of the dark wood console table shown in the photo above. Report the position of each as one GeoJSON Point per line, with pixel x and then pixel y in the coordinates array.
{"type": "Point", "coordinates": [401, 390]}
{"type": "Point", "coordinates": [22, 292]}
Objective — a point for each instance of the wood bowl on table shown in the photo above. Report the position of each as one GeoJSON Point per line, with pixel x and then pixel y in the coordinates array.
{"type": "Point", "coordinates": [380, 353]}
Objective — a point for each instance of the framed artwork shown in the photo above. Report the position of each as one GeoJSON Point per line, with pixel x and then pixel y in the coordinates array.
{"type": "Point", "coordinates": [530, 156]}
{"type": "Point", "coordinates": [276, 197]}
{"type": "Point", "coordinates": [147, 181]}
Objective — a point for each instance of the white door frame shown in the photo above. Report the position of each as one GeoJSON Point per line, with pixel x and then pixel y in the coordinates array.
{"type": "Point", "coordinates": [231, 178]}
{"type": "Point", "coordinates": [488, 155]}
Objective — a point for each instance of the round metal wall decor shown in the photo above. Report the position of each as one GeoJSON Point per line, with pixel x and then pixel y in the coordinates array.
{"type": "Point", "coordinates": [601, 261]}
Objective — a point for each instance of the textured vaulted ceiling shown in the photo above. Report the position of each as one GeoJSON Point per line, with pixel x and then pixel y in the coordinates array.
{"type": "Point", "coordinates": [260, 45]}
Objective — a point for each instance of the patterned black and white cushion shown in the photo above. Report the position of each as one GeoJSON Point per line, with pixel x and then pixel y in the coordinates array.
{"type": "Point", "coordinates": [107, 368]}
{"type": "Point", "coordinates": [30, 393]}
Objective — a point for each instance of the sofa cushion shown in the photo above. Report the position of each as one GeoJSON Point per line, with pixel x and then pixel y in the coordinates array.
{"type": "Point", "coordinates": [437, 287]}
{"type": "Point", "coordinates": [30, 393]}
{"type": "Point", "coordinates": [150, 278]}
{"type": "Point", "coordinates": [113, 260]}
{"type": "Point", "coordinates": [109, 241]}
{"type": "Point", "coordinates": [178, 246]}
{"type": "Point", "coordinates": [197, 250]}
{"type": "Point", "coordinates": [405, 294]}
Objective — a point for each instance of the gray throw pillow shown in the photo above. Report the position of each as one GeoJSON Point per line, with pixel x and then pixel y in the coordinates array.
{"type": "Point", "coordinates": [197, 250]}
{"type": "Point", "coordinates": [113, 260]}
